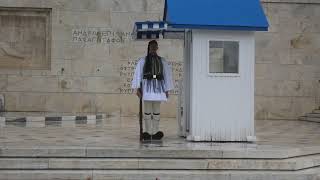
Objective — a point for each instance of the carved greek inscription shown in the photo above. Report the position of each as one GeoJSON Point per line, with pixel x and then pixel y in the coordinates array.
{"type": "Point", "coordinates": [93, 35]}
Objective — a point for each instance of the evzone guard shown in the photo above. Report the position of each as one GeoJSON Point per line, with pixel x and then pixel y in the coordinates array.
{"type": "Point", "coordinates": [152, 81]}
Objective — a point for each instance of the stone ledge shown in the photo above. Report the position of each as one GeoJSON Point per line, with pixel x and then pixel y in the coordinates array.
{"type": "Point", "coordinates": [156, 152]}
{"type": "Point", "coordinates": [291, 164]}
{"type": "Point", "coordinates": [309, 119]}
{"type": "Point", "coordinates": [53, 118]}
{"type": "Point", "coordinates": [153, 174]}
{"type": "Point", "coordinates": [292, 1]}
{"type": "Point", "coordinates": [41, 121]}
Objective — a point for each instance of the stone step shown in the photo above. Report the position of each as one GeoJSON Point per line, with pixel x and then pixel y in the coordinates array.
{"type": "Point", "coordinates": [310, 174]}
{"type": "Point", "coordinates": [316, 111]}
{"type": "Point", "coordinates": [316, 115]}
{"type": "Point", "coordinates": [44, 121]}
{"type": "Point", "coordinates": [291, 164]}
{"type": "Point", "coordinates": [310, 118]}
{"type": "Point", "coordinates": [156, 152]}
{"type": "Point", "coordinates": [54, 118]}
{"type": "Point", "coordinates": [13, 115]}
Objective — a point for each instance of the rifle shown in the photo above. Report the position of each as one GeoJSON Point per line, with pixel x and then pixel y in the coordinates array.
{"type": "Point", "coordinates": [140, 113]}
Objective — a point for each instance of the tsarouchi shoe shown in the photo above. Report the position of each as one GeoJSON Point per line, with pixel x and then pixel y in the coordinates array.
{"type": "Point", "coordinates": [157, 136]}
{"type": "Point", "coordinates": [146, 136]}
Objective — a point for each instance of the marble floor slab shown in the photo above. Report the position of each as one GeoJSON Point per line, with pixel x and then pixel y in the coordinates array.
{"type": "Point", "coordinates": [122, 132]}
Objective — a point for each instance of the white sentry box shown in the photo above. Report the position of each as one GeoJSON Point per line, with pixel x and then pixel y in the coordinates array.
{"type": "Point", "coordinates": [218, 105]}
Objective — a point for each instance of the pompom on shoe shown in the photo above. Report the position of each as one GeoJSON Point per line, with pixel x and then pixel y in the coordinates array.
{"type": "Point", "coordinates": [157, 136]}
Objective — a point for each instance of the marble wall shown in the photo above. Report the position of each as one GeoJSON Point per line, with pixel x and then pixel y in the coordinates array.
{"type": "Point", "coordinates": [288, 60]}
{"type": "Point", "coordinates": [92, 55]}
{"type": "Point", "coordinates": [25, 38]}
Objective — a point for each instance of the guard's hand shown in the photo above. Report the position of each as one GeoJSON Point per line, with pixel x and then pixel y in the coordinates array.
{"type": "Point", "coordinates": [167, 94]}
{"type": "Point", "coordinates": [139, 93]}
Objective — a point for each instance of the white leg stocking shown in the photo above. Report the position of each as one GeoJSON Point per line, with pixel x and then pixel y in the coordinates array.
{"type": "Point", "coordinates": [147, 117]}
{"type": "Point", "coordinates": [156, 117]}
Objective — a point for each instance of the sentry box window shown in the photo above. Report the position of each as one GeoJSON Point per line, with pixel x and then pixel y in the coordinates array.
{"type": "Point", "coordinates": [223, 57]}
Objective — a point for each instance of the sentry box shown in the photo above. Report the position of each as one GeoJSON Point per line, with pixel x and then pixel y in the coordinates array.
{"type": "Point", "coordinates": [216, 101]}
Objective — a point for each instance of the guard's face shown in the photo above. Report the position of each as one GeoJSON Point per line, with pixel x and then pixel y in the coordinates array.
{"type": "Point", "coordinates": [153, 48]}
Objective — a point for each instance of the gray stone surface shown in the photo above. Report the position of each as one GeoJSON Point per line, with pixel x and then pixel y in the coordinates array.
{"type": "Point", "coordinates": [111, 150]}
{"type": "Point", "coordinates": [90, 163]}
{"type": "Point", "coordinates": [2, 121]}
{"type": "Point", "coordinates": [118, 137]}
{"type": "Point", "coordinates": [214, 175]}
{"type": "Point", "coordinates": [311, 119]}
{"type": "Point", "coordinates": [33, 35]}
{"type": "Point", "coordinates": [292, 1]}
{"type": "Point", "coordinates": [147, 175]}
{"type": "Point", "coordinates": [24, 163]}
{"type": "Point", "coordinates": [286, 60]}
{"type": "Point", "coordinates": [44, 174]}
{"type": "Point", "coordinates": [2, 104]}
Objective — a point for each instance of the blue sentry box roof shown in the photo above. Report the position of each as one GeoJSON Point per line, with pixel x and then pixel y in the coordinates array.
{"type": "Point", "coordinates": [216, 14]}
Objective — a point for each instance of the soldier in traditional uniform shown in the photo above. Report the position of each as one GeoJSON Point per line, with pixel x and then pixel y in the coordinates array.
{"type": "Point", "coordinates": [152, 81]}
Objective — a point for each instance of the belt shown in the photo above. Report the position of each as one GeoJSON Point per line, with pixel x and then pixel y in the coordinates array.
{"type": "Point", "coordinates": [150, 76]}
